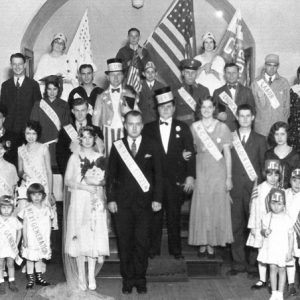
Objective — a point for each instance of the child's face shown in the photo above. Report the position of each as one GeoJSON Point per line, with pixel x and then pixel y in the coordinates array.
{"type": "Point", "coordinates": [276, 207]}
{"type": "Point", "coordinates": [30, 135]}
{"type": "Point", "coordinates": [272, 177]}
{"type": "Point", "coordinates": [6, 210]}
{"type": "Point", "coordinates": [36, 198]}
{"type": "Point", "coordinates": [295, 184]}
{"type": "Point", "coordinates": [150, 74]}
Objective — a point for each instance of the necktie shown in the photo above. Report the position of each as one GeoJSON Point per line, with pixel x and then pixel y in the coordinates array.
{"type": "Point", "coordinates": [244, 140]}
{"type": "Point", "coordinates": [80, 127]}
{"type": "Point", "coordinates": [18, 83]}
{"type": "Point", "coordinates": [191, 89]}
{"type": "Point", "coordinates": [115, 90]}
{"type": "Point", "coordinates": [150, 86]}
{"type": "Point", "coordinates": [270, 80]}
{"type": "Point", "coordinates": [133, 148]}
{"type": "Point", "coordinates": [163, 123]}
{"type": "Point", "coordinates": [232, 86]}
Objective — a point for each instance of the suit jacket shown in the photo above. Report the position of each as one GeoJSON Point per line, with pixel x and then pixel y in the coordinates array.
{"type": "Point", "coordinates": [63, 151]}
{"type": "Point", "coordinates": [121, 186]}
{"type": "Point", "coordinates": [19, 102]}
{"type": "Point", "coordinates": [243, 95]}
{"type": "Point", "coordinates": [147, 103]}
{"type": "Point", "coordinates": [175, 168]}
{"type": "Point", "coordinates": [255, 147]}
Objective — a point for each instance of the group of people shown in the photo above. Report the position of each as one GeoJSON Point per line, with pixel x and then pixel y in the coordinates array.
{"type": "Point", "coordinates": [140, 156]}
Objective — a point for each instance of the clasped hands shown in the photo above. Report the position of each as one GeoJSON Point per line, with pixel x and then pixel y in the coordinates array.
{"type": "Point", "coordinates": [113, 206]}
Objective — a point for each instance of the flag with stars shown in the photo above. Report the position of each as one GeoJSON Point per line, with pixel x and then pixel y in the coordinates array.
{"type": "Point", "coordinates": [80, 51]}
{"type": "Point", "coordinates": [133, 76]}
{"type": "Point", "coordinates": [171, 41]}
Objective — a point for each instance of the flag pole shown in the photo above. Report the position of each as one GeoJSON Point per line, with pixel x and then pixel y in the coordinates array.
{"type": "Point", "coordinates": [194, 47]}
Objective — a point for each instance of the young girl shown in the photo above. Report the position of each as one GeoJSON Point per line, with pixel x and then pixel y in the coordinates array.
{"type": "Point", "coordinates": [8, 174]}
{"type": "Point", "coordinates": [37, 217]}
{"type": "Point", "coordinates": [257, 210]}
{"type": "Point", "coordinates": [293, 209]}
{"type": "Point", "coordinates": [10, 234]}
{"type": "Point", "coordinates": [277, 248]}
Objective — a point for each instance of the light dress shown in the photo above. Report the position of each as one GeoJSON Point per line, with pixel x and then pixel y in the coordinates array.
{"type": "Point", "coordinates": [8, 178]}
{"type": "Point", "coordinates": [275, 247]}
{"type": "Point", "coordinates": [210, 80]}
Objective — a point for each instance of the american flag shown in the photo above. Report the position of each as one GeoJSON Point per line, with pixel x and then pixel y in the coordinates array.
{"type": "Point", "coordinates": [133, 76]}
{"type": "Point", "coordinates": [171, 40]}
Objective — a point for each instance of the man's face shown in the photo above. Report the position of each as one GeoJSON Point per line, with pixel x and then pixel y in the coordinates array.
{"type": "Point", "coordinates": [271, 68]}
{"type": "Point", "coordinates": [18, 66]}
{"type": "Point", "coordinates": [134, 126]}
{"type": "Point", "coordinates": [86, 76]}
{"type": "Point", "coordinates": [189, 76]}
{"type": "Point", "coordinates": [231, 75]}
{"type": "Point", "coordinates": [150, 74]}
{"type": "Point", "coordinates": [115, 78]}
{"type": "Point", "coordinates": [245, 118]}
{"type": "Point", "coordinates": [133, 38]}
{"type": "Point", "coordinates": [166, 111]}
{"type": "Point", "coordinates": [80, 112]}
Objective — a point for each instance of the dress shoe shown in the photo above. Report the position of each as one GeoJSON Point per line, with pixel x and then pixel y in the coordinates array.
{"type": "Point", "coordinates": [202, 254]}
{"type": "Point", "coordinates": [178, 256]}
{"type": "Point", "coordinates": [141, 289]}
{"type": "Point", "coordinates": [211, 255]}
{"type": "Point", "coordinates": [291, 290]}
{"type": "Point", "coordinates": [259, 285]}
{"type": "Point", "coordinates": [126, 289]}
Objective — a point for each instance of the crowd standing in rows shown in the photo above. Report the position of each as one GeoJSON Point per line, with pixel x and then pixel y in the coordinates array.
{"type": "Point", "coordinates": [224, 143]}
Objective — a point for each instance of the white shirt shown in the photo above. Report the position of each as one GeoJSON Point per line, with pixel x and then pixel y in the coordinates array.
{"type": "Point", "coordinates": [233, 92]}
{"type": "Point", "coordinates": [165, 131]}
{"type": "Point", "coordinates": [116, 101]}
{"type": "Point", "coordinates": [77, 124]}
{"type": "Point", "coordinates": [150, 84]}
{"type": "Point", "coordinates": [269, 77]}
{"type": "Point", "coordinates": [138, 141]}
{"type": "Point", "coordinates": [246, 135]}
{"type": "Point", "coordinates": [21, 79]}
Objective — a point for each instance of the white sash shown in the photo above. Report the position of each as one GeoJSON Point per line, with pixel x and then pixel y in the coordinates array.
{"type": "Point", "coordinates": [50, 113]}
{"type": "Point", "coordinates": [5, 186]}
{"type": "Point", "coordinates": [11, 240]}
{"type": "Point", "coordinates": [189, 100]}
{"type": "Point", "coordinates": [36, 230]}
{"type": "Point", "coordinates": [229, 101]}
{"type": "Point", "coordinates": [207, 141]}
{"type": "Point", "coordinates": [132, 166]}
{"type": "Point", "coordinates": [269, 93]}
{"type": "Point", "coordinates": [243, 156]}
{"type": "Point", "coordinates": [71, 132]}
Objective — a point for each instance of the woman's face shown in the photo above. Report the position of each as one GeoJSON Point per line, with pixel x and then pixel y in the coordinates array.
{"type": "Point", "coordinates": [280, 136]}
{"type": "Point", "coordinates": [58, 45]}
{"type": "Point", "coordinates": [87, 140]}
{"type": "Point", "coordinates": [52, 91]}
{"type": "Point", "coordinates": [30, 135]}
{"type": "Point", "coordinates": [209, 45]}
{"type": "Point", "coordinates": [207, 109]}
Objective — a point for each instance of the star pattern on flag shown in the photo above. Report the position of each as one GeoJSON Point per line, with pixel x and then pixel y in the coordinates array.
{"type": "Point", "coordinates": [182, 18]}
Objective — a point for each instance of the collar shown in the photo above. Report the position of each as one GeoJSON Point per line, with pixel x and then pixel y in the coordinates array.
{"type": "Point", "coordinates": [84, 123]}
{"type": "Point", "coordinates": [21, 79]}
{"type": "Point", "coordinates": [246, 134]}
{"type": "Point", "coordinates": [118, 87]}
{"type": "Point", "coordinates": [134, 48]}
{"type": "Point", "coordinates": [169, 121]}
{"type": "Point", "coordinates": [137, 140]}
{"type": "Point", "coordinates": [229, 85]}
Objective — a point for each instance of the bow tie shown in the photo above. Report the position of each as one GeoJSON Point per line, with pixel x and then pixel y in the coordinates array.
{"type": "Point", "coordinates": [115, 90]}
{"type": "Point", "coordinates": [232, 86]}
{"type": "Point", "coordinates": [163, 123]}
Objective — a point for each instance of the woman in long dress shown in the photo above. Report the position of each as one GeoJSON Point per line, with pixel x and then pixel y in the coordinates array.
{"type": "Point", "coordinates": [210, 217]}
{"type": "Point", "coordinates": [211, 72]}
{"type": "Point", "coordinates": [56, 63]}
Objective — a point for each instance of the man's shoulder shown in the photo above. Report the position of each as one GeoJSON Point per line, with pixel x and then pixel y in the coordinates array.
{"type": "Point", "coordinates": [219, 90]}
{"type": "Point", "coordinates": [7, 82]}
{"type": "Point", "coordinates": [258, 136]}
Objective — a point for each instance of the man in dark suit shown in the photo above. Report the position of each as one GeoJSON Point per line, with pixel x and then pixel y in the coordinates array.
{"type": "Point", "coordinates": [68, 141]}
{"type": "Point", "coordinates": [189, 96]}
{"type": "Point", "coordinates": [18, 95]}
{"type": "Point", "coordinates": [231, 95]}
{"type": "Point", "coordinates": [147, 98]}
{"type": "Point", "coordinates": [134, 189]}
{"type": "Point", "coordinates": [175, 141]}
{"type": "Point", "coordinates": [243, 177]}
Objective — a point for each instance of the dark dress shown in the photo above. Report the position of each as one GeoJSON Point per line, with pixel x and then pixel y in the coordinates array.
{"type": "Point", "coordinates": [294, 121]}
{"type": "Point", "coordinates": [288, 163]}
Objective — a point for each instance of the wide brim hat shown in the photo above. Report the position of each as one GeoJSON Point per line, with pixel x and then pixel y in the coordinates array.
{"type": "Point", "coordinates": [52, 78]}
{"type": "Point", "coordinates": [191, 64]}
{"type": "Point", "coordinates": [163, 95]}
{"type": "Point", "coordinates": [61, 36]}
{"type": "Point", "coordinates": [114, 65]}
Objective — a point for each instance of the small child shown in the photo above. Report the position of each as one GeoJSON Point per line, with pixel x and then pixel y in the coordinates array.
{"type": "Point", "coordinates": [277, 248]}
{"type": "Point", "coordinates": [257, 210]}
{"type": "Point", "coordinates": [10, 235]}
{"type": "Point", "coordinates": [37, 217]}
{"type": "Point", "coordinates": [293, 209]}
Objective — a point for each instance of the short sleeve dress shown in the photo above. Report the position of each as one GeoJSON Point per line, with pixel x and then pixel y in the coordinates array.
{"type": "Point", "coordinates": [210, 216]}
{"type": "Point", "coordinates": [8, 178]}
{"type": "Point", "coordinates": [12, 224]}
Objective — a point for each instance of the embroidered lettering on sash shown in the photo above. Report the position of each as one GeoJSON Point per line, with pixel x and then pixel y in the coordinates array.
{"type": "Point", "coordinates": [189, 100]}
{"type": "Point", "coordinates": [49, 111]}
{"type": "Point", "coordinates": [132, 166]}
{"type": "Point", "coordinates": [269, 93]}
{"type": "Point", "coordinates": [243, 156]}
{"type": "Point", "coordinates": [71, 132]}
{"type": "Point", "coordinates": [229, 101]}
{"type": "Point", "coordinates": [207, 141]}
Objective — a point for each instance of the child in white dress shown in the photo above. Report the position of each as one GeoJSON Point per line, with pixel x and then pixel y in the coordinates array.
{"type": "Point", "coordinates": [37, 217]}
{"type": "Point", "coordinates": [257, 210]}
{"type": "Point", "coordinates": [293, 208]}
{"type": "Point", "coordinates": [277, 248]}
{"type": "Point", "coordinates": [10, 235]}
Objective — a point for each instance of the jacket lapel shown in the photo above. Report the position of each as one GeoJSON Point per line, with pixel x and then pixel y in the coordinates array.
{"type": "Point", "coordinates": [172, 136]}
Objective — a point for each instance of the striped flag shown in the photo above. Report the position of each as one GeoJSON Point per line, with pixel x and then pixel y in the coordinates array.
{"type": "Point", "coordinates": [173, 40]}
{"type": "Point", "coordinates": [297, 230]}
{"type": "Point", "coordinates": [133, 75]}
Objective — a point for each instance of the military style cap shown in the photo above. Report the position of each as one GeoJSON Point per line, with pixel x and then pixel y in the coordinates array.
{"type": "Point", "coordinates": [163, 95]}
{"type": "Point", "coordinates": [272, 59]}
{"type": "Point", "coordinates": [208, 35]}
{"type": "Point", "coordinates": [114, 65]}
{"type": "Point", "coordinates": [60, 35]}
{"type": "Point", "coordinates": [272, 164]}
{"type": "Point", "coordinates": [150, 64]}
{"type": "Point", "coordinates": [191, 64]}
